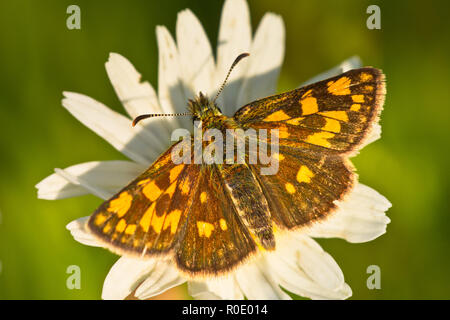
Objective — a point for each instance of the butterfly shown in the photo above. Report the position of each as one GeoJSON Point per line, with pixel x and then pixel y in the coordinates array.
{"type": "Point", "coordinates": [210, 218]}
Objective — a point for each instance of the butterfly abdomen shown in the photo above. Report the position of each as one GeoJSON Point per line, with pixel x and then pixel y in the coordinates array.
{"type": "Point", "coordinates": [250, 203]}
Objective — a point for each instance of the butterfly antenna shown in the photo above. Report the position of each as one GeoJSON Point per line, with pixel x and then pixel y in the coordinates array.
{"type": "Point", "coordinates": [145, 116]}
{"type": "Point", "coordinates": [236, 61]}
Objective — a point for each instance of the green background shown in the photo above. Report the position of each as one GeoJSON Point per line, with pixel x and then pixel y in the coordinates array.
{"type": "Point", "coordinates": [40, 57]}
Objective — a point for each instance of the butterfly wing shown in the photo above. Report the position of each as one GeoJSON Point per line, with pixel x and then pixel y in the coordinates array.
{"type": "Point", "coordinates": [305, 186]}
{"type": "Point", "coordinates": [334, 116]}
{"type": "Point", "coordinates": [147, 216]}
{"type": "Point", "coordinates": [215, 240]}
{"type": "Point", "coordinates": [319, 125]}
{"type": "Point", "coordinates": [179, 210]}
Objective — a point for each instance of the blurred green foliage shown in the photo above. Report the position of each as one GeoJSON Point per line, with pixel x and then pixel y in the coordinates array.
{"type": "Point", "coordinates": [40, 57]}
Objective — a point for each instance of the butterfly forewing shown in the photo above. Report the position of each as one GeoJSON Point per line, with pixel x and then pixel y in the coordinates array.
{"type": "Point", "coordinates": [148, 215]}
{"type": "Point", "coordinates": [331, 116]}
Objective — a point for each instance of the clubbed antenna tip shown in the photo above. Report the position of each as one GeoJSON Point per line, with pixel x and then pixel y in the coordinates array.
{"type": "Point", "coordinates": [145, 116]}
{"type": "Point", "coordinates": [235, 62]}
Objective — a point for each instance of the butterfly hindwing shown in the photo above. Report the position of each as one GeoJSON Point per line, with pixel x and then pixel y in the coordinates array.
{"type": "Point", "coordinates": [305, 187]}
{"type": "Point", "coordinates": [216, 239]}
{"type": "Point", "coordinates": [333, 116]}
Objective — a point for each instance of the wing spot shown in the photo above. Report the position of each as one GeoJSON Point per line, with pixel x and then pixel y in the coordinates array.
{"type": "Point", "coordinates": [204, 229]}
{"type": "Point", "coordinates": [365, 77]}
{"type": "Point", "coordinates": [145, 181]}
{"type": "Point", "coordinates": [309, 105]}
{"type": "Point", "coordinates": [203, 197]}
{"type": "Point", "coordinates": [340, 86]}
{"type": "Point", "coordinates": [175, 172]}
{"type": "Point", "coordinates": [172, 220]}
{"type": "Point", "coordinates": [320, 139]}
{"type": "Point", "coordinates": [223, 224]}
{"type": "Point", "coordinates": [304, 174]}
{"type": "Point", "coordinates": [295, 121]}
{"type": "Point", "coordinates": [368, 89]}
{"type": "Point", "coordinates": [107, 228]}
{"type": "Point", "coordinates": [152, 191]}
{"type": "Point", "coordinates": [100, 219]}
{"type": "Point", "coordinates": [147, 217]}
{"type": "Point", "coordinates": [307, 93]}
{"type": "Point", "coordinates": [277, 116]}
{"type": "Point", "coordinates": [157, 222]}
{"type": "Point", "coordinates": [131, 228]}
{"type": "Point", "coordinates": [185, 186]}
{"type": "Point", "coordinates": [282, 132]}
{"type": "Point", "coordinates": [332, 125]}
{"type": "Point", "coordinates": [290, 188]}
{"type": "Point", "coordinates": [355, 107]}
{"type": "Point", "coordinates": [358, 98]}
{"type": "Point", "coordinates": [121, 225]}
{"type": "Point", "coordinates": [121, 205]}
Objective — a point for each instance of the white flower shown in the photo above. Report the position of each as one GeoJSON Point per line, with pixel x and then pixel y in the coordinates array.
{"type": "Point", "coordinates": [186, 67]}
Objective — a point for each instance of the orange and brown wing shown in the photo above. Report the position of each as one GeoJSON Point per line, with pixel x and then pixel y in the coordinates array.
{"type": "Point", "coordinates": [148, 215]}
{"type": "Point", "coordinates": [182, 210]}
{"type": "Point", "coordinates": [305, 187]}
{"type": "Point", "coordinates": [334, 115]}
{"type": "Point", "coordinates": [319, 125]}
{"type": "Point", "coordinates": [215, 240]}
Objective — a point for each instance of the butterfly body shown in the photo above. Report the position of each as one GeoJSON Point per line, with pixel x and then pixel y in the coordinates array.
{"type": "Point", "coordinates": [210, 217]}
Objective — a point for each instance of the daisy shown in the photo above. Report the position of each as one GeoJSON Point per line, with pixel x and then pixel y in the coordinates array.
{"type": "Point", "coordinates": [187, 66]}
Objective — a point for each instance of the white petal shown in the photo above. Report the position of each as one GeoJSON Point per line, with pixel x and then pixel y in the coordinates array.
{"type": "Point", "coordinates": [95, 190]}
{"type": "Point", "coordinates": [136, 143]}
{"type": "Point", "coordinates": [171, 90]}
{"type": "Point", "coordinates": [196, 57]}
{"type": "Point", "coordinates": [351, 63]}
{"type": "Point", "coordinates": [110, 176]}
{"type": "Point", "coordinates": [360, 218]}
{"type": "Point", "coordinates": [125, 276]}
{"type": "Point", "coordinates": [266, 57]}
{"type": "Point", "coordinates": [78, 230]}
{"type": "Point", "coordinates": [318, 265]}
{"type": "Point", "coordinates": [289, 275]}
{"type": "Point", "coordinates": [163, 277]}
{"type": "Point", "coordinates": [137, 97]}
{"type": "Point", "coordinates": [257, 285]}
{"type": "Point", "coordinates": [235, 37]}
{"type": "Point", "coordinates": [213, 289]}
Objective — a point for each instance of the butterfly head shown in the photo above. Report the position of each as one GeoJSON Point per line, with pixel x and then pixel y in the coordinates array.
{"type": "Point", "coordinates": [202, 109]}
